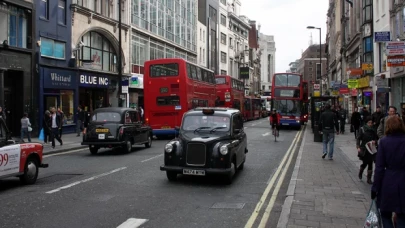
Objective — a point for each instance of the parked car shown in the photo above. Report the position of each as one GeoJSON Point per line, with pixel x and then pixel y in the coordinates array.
{"type": "Point", "coordinates": [211, 141]}
{"type": "Point", "coordinates": [116, 127]}
{"type": "Point", "coordinates": [19, 160]}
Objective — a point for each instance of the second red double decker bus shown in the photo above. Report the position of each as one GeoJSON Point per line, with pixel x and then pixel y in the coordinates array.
{"type": "Point", "coordinates": [171, 88]}
{"type": "Point", "coordinates": [287, 98]}
{"type": "Point", "coordinates": [230, 92]}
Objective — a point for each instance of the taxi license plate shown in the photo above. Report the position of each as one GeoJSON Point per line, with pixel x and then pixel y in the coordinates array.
{"type": "Point", "coordinates": [101, 136]}
{"type": "Point", "coordinates": [102, 130]}
{"type": "Point", "coordinates": [194, 172]}
{"type": "Point", "coordinates": [166, 127]}
{"type": "Point", "coordinates": [285, 124]}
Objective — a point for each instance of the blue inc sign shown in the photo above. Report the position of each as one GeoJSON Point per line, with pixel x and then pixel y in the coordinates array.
{"type": "Point", "coordinates": [382, 36]}
{"type": "Point", "coordinates": [58, 79]}
{"type": "Point", "coordinates": [94, 81]}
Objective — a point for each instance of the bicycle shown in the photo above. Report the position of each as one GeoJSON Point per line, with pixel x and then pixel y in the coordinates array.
{"type": "Point", "coordinates": [275, 133]}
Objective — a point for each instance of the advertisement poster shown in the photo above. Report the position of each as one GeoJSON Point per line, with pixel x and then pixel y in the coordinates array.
{"type": "Point", "coordinates": [9, 159]}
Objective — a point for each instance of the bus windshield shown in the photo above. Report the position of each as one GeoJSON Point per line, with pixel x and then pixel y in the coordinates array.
{"type": "Point", "coordinates": [220, 81]}
{"type": "Point", "coordinates": [287, 107]}
{"type": "Point", "coordinates": [163, 70]}
{"type": "Point", "coordinates": [288, 80]}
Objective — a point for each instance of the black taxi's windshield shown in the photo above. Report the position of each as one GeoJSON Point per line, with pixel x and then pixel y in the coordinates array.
{"type": "Point", "coordinates": [201, 123]}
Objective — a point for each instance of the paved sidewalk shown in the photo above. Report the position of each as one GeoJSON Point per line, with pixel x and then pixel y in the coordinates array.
{"type": "Point", "coordinates": [70, 142]}
{"type": "Point", "coordinates": [324, 193]}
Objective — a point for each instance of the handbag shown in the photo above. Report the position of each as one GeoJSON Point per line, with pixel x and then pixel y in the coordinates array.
{"type": "Point", "coordinates": [373, 218]}
{"type": "Point", "coordinates": [29, 129]}
{"type": "Point", "coordinates": [41, 135]}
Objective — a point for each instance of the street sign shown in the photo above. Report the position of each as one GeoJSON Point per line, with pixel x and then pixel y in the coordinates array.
{"type": "Point", "coordinates": [382, 36]}
{"type": "Point", "coordinates": [396, 61]}
{"type": "Point", "coordinates": [395, 48]}
{"type": "Point", "coordinates": [367, 66]}
{"type": "Point", "coordinates": [317, 87]}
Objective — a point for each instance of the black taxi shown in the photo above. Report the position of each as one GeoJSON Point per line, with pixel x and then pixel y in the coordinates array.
{"type": "Point", "coordinates": [210, 141]}
{"type": "Point", "coordinates": [116, 127]}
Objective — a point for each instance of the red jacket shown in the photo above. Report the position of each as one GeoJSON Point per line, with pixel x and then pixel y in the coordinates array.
{"type": "Point", "coordinates": [278, 118]}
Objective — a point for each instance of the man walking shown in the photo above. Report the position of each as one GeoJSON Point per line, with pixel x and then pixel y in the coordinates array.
{"type": "Point", "coordinates": [342, 118]}
{"type": "Point", "coordinates": [81, 118]}
{"type": "Point", "coordinates": [56, 126]}
{"type": "Point", "coordinates": [392, 111]}
{"type": "Point", "coordinates": [376, 117]}
{"type": "Point", "coordinates": [328, 123]}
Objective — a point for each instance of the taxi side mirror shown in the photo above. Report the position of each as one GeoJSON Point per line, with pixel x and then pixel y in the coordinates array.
{"type": "Point", "coordinates": [177, 128]}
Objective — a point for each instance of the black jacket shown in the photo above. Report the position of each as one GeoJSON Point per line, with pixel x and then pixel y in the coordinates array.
{"type": "Point", "coordinates": [377, 116]}
{"type": "Point", "coordinates": [328, 121]}
{"type": "Point", "coordinates": [356, 120]}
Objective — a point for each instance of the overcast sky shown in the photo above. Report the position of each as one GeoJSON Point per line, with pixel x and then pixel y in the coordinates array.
{"type": "Point", "coordinates": [287, 20]}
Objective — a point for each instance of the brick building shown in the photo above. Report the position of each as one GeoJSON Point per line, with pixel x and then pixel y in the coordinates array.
{"type": "Point", "coordinates": [309, 63]}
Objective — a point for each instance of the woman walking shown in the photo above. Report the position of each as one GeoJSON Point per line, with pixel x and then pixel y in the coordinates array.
{"type": "Point", "coordinates": [389, 176]}
{"type": "Point", "coordinates": [355, 121]}
{"type": "Point", "coordinates": [25, 123]}
{"type": "Point", "coordinates": [366, 134]}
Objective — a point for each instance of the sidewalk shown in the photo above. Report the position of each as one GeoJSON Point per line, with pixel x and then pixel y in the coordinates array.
{"type": "Point", "coordinates": [70, 142]}
{"type": "Point", "coordinates": [324, 193]}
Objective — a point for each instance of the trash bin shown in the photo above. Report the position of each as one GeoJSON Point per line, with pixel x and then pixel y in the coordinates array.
{"type": "Point", "coordinates": [317, 135]}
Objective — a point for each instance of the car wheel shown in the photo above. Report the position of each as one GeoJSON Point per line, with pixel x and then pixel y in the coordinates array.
{"type": "Point", "coordinates": [93, 150]}
{"type": "Point", "coordinates": [171, 176]}
{"type": "Point", "coordinates": [128, 146]}
{"type": "Point", "coordinates": [30, 171]}
{"type": "Point", "coordinates": [149, 143]}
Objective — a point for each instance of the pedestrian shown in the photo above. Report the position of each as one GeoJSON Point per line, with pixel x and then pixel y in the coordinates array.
{"type": "Point", "coordinates": [328, 123]}
{"type": "Point", "coordinates": [377, 116]}
{"type": "Point", "coordinates": [142, 112]}
{"type": "Point", "coordinates": [81, 119]}
{"type": "Point", "coordinates": [367, 133]}
{"type": "Point", "coordinates": [392, 111]}
{"type": "Point", "coordinates": [389, 175]}
{"type": "Point", "coordinates": [25, 125]}
{"type": "Point", "coordinates": [355, 121]}
{"type": "Point", "coordinates": [47, 123]}
{"type": "Point", "coordinates": [2, 113]}
{"type": "Point", "coordinates": [364, 115]}
{"type": "Point", "coordinates": [55, 127]}
{"type": "Point", "coordinates": [62, 118]}
{"type": "Point", "coordinates": [342, 119]}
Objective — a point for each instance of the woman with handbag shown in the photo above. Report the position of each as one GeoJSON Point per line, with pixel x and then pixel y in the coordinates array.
{"type": "Point", "coordinates": [367, 133]}
{"type": "Point", "coordinates": [25, 128]}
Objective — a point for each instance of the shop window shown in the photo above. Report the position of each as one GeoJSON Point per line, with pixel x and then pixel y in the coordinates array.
{"type": "Point", "coordinates": [98, 53]}
{"type": "Point", "coordinates": [52, 48]}
{"type": "Point", "coordinates": [67, 106]}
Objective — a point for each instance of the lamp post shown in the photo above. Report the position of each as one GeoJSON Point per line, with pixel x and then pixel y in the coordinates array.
{"type": "Point", "coordinates": [320, 55]}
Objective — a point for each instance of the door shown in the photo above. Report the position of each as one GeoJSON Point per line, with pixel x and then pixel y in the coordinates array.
{"type": "Point", "coordinates": [14, 101]}
{"type": "Point", "coordinates": [140, 135]}
{"type": "Point", "coordinates": [144, 129]}
{"type": "Point", "coordinates": [237, 123]}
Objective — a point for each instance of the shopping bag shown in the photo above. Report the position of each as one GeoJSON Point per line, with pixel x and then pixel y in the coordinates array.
{"type": "Point", "coordinates": [41, 134]}
{"type": "Point", "coordinates": [373, 219]}
{"type": "Point", "coordinates": [371, 147]}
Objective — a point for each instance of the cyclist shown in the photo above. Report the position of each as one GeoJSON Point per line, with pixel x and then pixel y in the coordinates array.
{"type": "Point", "coordinates": [275, 120]}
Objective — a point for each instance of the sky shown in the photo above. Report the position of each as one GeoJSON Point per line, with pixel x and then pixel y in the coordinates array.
{"type": "Point", "coordinates": [287, 21]}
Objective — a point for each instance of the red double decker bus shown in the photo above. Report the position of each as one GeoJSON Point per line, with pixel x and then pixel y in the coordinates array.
{"type": "Point", "coordinates": [287, 98]}
{"type": "Point", "coordinates": [230, 92]}
{"type": "Point", "coordinates": [305, 102]}
{"type": "Point", "coordinates": [171, 88]}
{"type": "Point", "coordinates": [251, 108]}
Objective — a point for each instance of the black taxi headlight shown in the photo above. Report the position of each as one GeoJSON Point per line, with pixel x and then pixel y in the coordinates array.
{"type": "Point", "coordinates": [169, 148]}
{"type": "Point", "coordinates": [224, 149]}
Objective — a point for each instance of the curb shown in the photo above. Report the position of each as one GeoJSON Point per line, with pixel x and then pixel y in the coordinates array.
{"type": "Point", "coordinates": [286, 209]}
{"type": "Point", "coordinates": [57, 151]}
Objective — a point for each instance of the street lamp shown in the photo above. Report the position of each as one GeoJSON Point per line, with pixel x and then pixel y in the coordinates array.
{"type": "Point", "coordinates": [320, 54]}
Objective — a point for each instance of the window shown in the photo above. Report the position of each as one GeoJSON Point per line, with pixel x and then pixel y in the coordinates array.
{"type": "Point", "coordinates": [200, 34]}
{"type": "Point", "coordinates": [367, 10]}
{"type": "Point", "coordinates": [43, 9]}
{"type": "Point", "coordinates": [98, 53]}
{"type": "Point", "coordinates": [318, 71]}
{"type": "Point", "coordinates": [66, 104]}
{"type": "Point", "coordinates": [158, 70]}
{"type": "Point", "coordinates": [106, 117]}
{"type": "Point", "coordinates": [13, 26]}
{"type": "Point", "coordinates": [287, 80]}
{"type": "Point", "coordinates": [223, 2]}
{"type": "Point", "coordinates": [204, 36]}
{"type": "Point", "coordinates": [52, 48]}
{"type": "Point", "coordinates": [223, 38]}
{"type": "Point", "coordinates": [230, 42]}
{"type": "Point", "coordinates": [62, 12]}
{"type": "Point", "coordinates": [168, 101]}
{"type": "Point", "coordinates": [223, 57]}
{"type": "Point", "coordinates": [223, 20]}
{"type": "Point", "coordinates": [223, 72]}
{"type": "Point", "coordinates": [310, 69]}
{"type": "Point", "coordinates": [220, 80]}
{"type": "Point", "coordinates": [203, 55]}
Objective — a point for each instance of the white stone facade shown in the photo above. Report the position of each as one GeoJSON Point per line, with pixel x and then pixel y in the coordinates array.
{"type": "Point", "coordinates": [201, 44]}
{"type": "Point", "coordinates": [268, 60]}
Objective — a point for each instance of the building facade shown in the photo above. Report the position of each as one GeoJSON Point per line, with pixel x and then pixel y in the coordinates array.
{"type": "Point", "coordinates": [310, 63]}
{"type": "Point", "coordinates": [294, 66]}
{"type": "Point", "coordinates": [201, 44]}
{"type": "Point", "coordinates": [267, 45]}
{"type": "Point", "coordinates": [17, 63]}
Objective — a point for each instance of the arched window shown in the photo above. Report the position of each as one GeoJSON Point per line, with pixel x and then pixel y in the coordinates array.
{"type": "Point", "coordinates": [98, 53]}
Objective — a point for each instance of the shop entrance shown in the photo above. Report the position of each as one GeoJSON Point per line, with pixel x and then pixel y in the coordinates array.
{"type": "Point", "coordinates": [14, 100]}
{"type": "Point", "coordinates": [51, 101]}
{"type": "Point", "coordinates": [91, 99]}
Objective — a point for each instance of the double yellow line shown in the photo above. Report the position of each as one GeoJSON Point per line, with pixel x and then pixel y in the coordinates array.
{"type": "Point", "coordinates": [281, 168]}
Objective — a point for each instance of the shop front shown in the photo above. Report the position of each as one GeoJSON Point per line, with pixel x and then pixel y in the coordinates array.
{"type": "Point", "coordinates": [365, 95]}
{"type": "Point", "coordinates": [136, 95]}
{"type": "Point", "coordinates": [59, 90]}
{"type": "Point", "coordinates": [95, 90]}
{"type": "Point", "coordinates": [382, 92]}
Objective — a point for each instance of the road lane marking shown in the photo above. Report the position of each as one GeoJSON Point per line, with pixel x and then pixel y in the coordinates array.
{"type": "Point", "coordinates": [85, 180]}
{"type": "Point", "coordinates": [270, 206]}
{"type": "Point", "coordinates": [68, 152]}
{"type": "Point", "coordinates": [266, 192]}
{"type": "Point", "coordinates": [266, 134]}
{"type": "Point", "coordinates": [160, 155]}
{"type": "Point", "coordinates": [133, 223]}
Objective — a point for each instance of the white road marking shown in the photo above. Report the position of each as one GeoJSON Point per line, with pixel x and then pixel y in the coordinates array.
{"type": "Point", "coordinates": [152, 158]}
{"type": "Point", "coordinates": [68, 152]}
{"type": "Point", "coordinates": [253, 124]}
{"type": "Point", "coordinates": [133, 223]}
{"type": "Point", "coordinates": [266, 134]}
{"type": "Point", "coordinates": [85, 180]}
